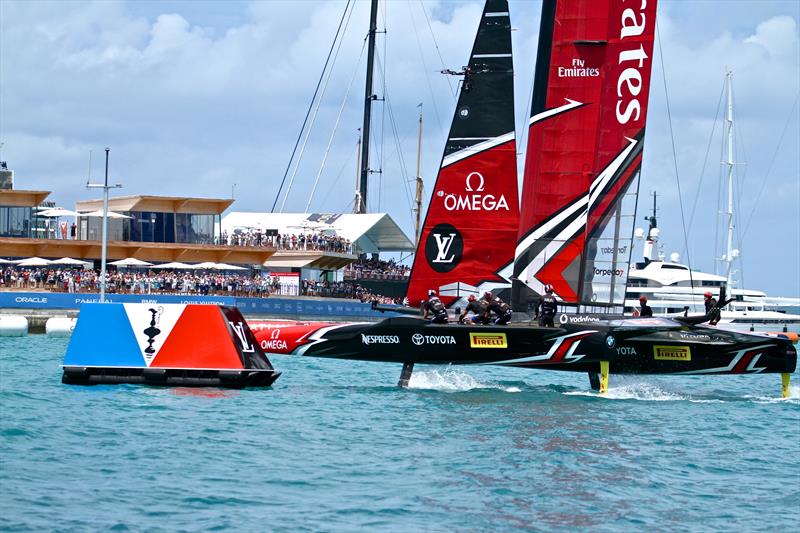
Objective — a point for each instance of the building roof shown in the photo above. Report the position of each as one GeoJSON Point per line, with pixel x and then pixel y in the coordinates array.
{"type": "Point", "coordinates": [372, 232]}
{"type": "Point", "coordinates": [147, 251]}
{"type": "Point", "coordinates": [20, 198]}
{"type": "Point", "coordinates": [160, 204]}
{"type": "Point", "coordinates": [309, 259]}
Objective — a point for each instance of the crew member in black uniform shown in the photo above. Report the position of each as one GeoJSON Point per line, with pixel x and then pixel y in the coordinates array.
{"type": "Point", "coordinates": [712, 312]}
{"type": "Point", "coordinates": [497, 306]}
{"type": "Point", "coordinates": [645, 310]}
{"type": "Point", "coordinates": [475, 312]}
{"type": "Point", "coordinates": [434, 309]}
{"type": "Point", "coordinates": [546, 308]}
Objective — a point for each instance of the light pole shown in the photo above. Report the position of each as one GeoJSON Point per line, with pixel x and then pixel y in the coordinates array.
{"type": "Point", "coordinates": [105, 186]}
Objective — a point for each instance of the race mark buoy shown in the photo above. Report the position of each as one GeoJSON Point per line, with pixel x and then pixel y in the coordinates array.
{"type": "Point", "coordinates": [165, 344]}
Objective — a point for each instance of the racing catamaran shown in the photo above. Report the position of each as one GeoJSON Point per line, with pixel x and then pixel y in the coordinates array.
{"type": "Point", "coordinates": [575, 223]}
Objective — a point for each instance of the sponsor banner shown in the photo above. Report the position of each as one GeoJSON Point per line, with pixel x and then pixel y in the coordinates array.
{"type": "Point", "coordinates": [488, 340]}
{"type": "Point", "coordinates": [672, 353]}
{"type": "Point", "coordinates": [60, 300]}
{"type": "Point", "coordinates": [290, 307]}
{"type": "Point", "coordinates": [299, 307]}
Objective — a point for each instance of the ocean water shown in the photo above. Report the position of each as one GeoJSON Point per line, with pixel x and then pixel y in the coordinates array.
{"type": "Point", "coordinates": [335, 446]}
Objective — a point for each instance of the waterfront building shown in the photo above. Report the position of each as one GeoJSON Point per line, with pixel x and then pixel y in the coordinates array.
{"type": "Point", "coordinates": [155, 219]}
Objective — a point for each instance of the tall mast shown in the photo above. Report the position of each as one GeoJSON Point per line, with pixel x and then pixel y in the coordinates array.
{"type": "Point", "coordinates": [730, 253]}
{"type": "Point", "coordinates": [368, 98]}
{"type": "Point", "coordinates": [418, 208]}
{"type": "Point", "coordinates": [357, 200]}
{"type": "Point", "coordinates": [650, 252]}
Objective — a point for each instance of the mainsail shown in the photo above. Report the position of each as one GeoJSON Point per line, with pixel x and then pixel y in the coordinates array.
{"type": "Point", "coordinates": [584, 150]}
{"type": "Point", "coordinates": [473, 212]}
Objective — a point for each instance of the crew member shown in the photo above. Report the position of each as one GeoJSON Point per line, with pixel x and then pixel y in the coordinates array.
{"type": "Point", "coordinates": [433, 309]}
{"type": "Point", "coordinates": [546, 308]}
{"type": "Point", "coordinates": [645, 310]}
{"type": "Point", "coordinates": [712, 311]}
{"type": "Point", "coordinates": [475, 312]}
{"type": "Point", "coordinates": [497, 306]}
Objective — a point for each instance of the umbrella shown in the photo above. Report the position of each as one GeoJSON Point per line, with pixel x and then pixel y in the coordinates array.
{"type": "Point", "coordinates": [130, 262]}
{"type": "Point", "coordinates": [33, 262]}
{"type": "Point", "coordinates": [57, 212]}
{"type": "Point", "coordinates": [175, 265]}
{"type": "Point", "coordinates": [225, 266]}
{"type": "Point", "coordinates": [99, 213]}
{"type": "Point", "coordinates": [68, 261]}
{"type": "Point", "coordinates": [207, 264]}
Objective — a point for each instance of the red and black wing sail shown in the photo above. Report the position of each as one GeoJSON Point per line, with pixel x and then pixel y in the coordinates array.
{"type": "Point", "coordinates": [473, 216]}
{"type": "Point", "coordinates": [584, 150]}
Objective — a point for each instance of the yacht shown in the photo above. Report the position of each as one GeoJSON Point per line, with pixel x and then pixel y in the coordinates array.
{"type": "Point", "coordinates": [672, 288]}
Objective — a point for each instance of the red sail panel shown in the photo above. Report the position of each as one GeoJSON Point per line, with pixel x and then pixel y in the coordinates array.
{"type": "Point", "coordinates": [584, 145]}
{"type": "Point", "coordinates": [473, 216]}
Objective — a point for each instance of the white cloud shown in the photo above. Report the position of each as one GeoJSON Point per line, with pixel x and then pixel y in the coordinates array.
{"type": "Point", "coordinates": [777, 35]}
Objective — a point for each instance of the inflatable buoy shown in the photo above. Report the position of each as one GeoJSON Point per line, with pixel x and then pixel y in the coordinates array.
{"type": "Point", "coordinates": [165, 344]}
{"type": "Point", "coordinates": [59, 326]}
{"type": "Point", "coordinates": [13, 326]}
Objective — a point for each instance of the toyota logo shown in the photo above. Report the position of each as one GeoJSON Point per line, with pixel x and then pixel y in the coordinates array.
{"type": "Point", "coordinates": [417, 339]}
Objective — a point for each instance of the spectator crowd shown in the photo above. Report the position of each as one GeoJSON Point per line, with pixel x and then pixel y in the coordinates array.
{"type": "Point", "coordinates": [288, 241]}
{"type": "Point", "coordinates": [376, 269]}
{"type": "Point", "coordinates": [73, 280]}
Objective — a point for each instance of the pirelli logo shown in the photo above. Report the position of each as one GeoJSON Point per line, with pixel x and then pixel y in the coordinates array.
{"type": "Point", "coordinates": [488, 340]}
{"type": "Point", "coordinates": [672, 353]}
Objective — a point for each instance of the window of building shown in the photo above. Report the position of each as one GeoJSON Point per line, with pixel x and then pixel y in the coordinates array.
{"type": "Point", "coordinates": [15, 221]}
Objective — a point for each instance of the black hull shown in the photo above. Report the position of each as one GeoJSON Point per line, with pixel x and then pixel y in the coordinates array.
{"type": "Point", "coordinates": [630, 346]}
{"type": "Point", "coordinates": [169, 377]}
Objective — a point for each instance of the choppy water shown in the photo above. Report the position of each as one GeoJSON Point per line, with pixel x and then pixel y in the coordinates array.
{"type": "Point", "coordinates": [334, 446]}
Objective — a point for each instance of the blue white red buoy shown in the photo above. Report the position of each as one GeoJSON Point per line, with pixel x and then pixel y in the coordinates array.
{"type": "Point", "coordinates": [165, 344]}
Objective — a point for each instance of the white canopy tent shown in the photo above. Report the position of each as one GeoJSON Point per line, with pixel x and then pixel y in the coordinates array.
{"type": "Point", "coordinates": [210, 265]}
{"type": "Point", "coordinates": [130, 262]}
{"type": "Point", "coordinates": [225, 266]}
{"type": "Point", "coordinates": [175, 265]}
{"type": "Point", "coordinates": [371, 232]}
{"type": "Point", "coordinates": [33, 262]}
{"type": "Point", "coordinates": [57, 212]}
{"type": "Point", "coordinates": [68, 261]}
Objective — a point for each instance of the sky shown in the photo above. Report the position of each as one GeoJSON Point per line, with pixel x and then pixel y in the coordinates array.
{"type": "Point", "coordinates": [206, 98]}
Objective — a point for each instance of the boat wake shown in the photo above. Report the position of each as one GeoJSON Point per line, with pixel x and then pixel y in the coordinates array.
{"type": "Point", "coordinates": [637, 388]}
{"type": "Point", "coordinates": [642, 389]}
{"type": "Point", "coordinates": [794, 397]}
{"type": "Point", "coordinates": [449, 379]}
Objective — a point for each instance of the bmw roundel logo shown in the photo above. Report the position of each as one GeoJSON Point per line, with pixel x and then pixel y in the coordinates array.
{"type": "Point", "coordinates": [463, 113]}
{"type": "Point", "coordinates": [610, 341]}
{"type": "Point", "coordinates": [417, 339]}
